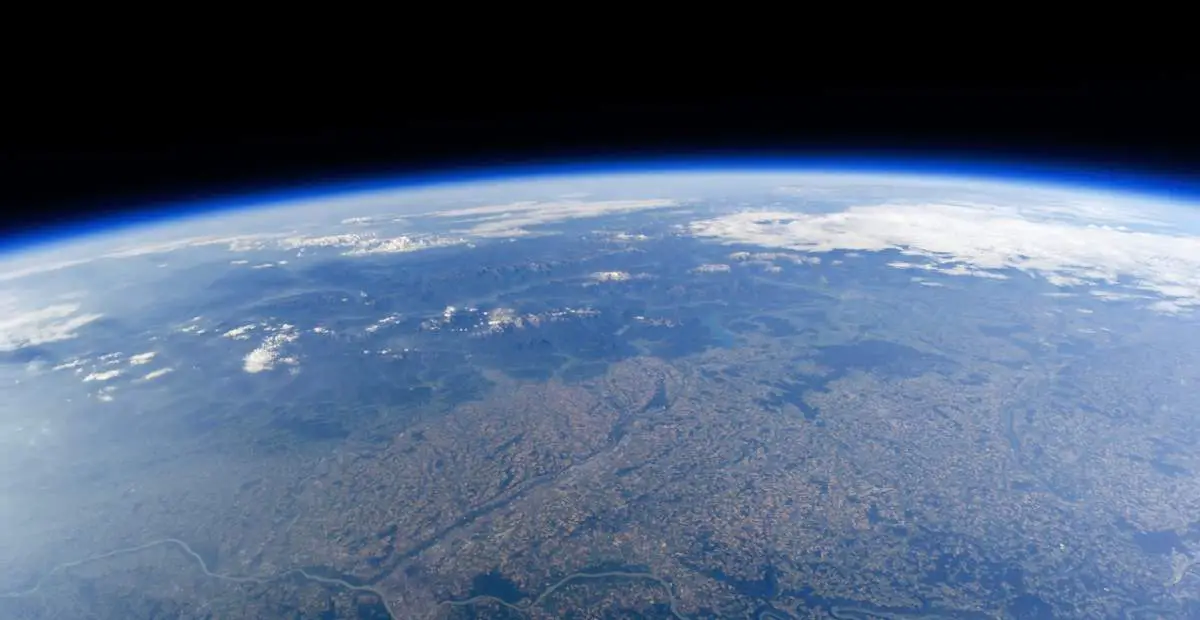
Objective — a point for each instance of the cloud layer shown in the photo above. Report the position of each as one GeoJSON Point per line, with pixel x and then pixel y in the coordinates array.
{"type": "Point", "coordinates": [512, 219]}
{"type": "Point", "coordinates": [21, 328]}
{"type": "Point", "coordinates": [980, 239]}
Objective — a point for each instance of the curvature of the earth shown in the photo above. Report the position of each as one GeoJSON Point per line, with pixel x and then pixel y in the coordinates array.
{"type": "Point", "coordinates": [662, 395]}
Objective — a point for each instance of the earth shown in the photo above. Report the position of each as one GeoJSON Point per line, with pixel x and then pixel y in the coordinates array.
{"type": "Point", "coordinates": [701, 394]}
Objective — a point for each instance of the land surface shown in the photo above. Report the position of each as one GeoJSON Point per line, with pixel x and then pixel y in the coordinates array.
{"type": "Point", "coordinates": [511, 435]}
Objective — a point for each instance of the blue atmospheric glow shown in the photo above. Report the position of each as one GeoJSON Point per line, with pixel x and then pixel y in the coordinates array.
{"type": "Point", "coordinates": [1042, 173]}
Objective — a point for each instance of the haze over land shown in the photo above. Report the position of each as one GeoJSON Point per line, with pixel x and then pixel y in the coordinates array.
{"type": "Point", "coordinates": [649, 396]}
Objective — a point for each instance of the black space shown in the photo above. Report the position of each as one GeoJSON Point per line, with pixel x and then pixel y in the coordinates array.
{"type": "Point", "coordinates": [68, 165]}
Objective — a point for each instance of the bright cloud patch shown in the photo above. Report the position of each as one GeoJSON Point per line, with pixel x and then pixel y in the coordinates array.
{"type": "Point", "coordinates": [511, 220]}
{"type": "Point", "coordinates": [102, 376]}
{"type": "Point", "coordinates": [71, 364]}
{"type": "Point", "coordinates": [240, 333]}
{"type": "Point", "coordinates": [141, 358]}
{"type": "Point", "coordinates": [53, 323]}
{"type": "Point", "coordinates": [953, 270]}
{"type": "Point", "coordinates": [981, 240]}
{"type": "Point", "coordinates": [154, 374]}
{"type": "Point", "coordinates": [497, 320]}
{"type": "Point", "coordinates": [363, 244]}
{"type": "Point", "coordinates": [268, 355]}
{"type": "Point", "coordinates": [391, 319]}
{"type": "Point", "coordinates": [618, 276]}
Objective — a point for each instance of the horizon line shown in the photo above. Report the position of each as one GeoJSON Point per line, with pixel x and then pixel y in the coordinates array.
{"type": "Point", "coordinates": [1047, 174]}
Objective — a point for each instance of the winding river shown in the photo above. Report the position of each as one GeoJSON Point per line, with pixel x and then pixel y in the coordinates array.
{"type": "Point", "coordinates": [763, 613]}
{"type": "Point", "coordinates": [187, 549]}
{"type": "Point", "coordinates": [338, 582]}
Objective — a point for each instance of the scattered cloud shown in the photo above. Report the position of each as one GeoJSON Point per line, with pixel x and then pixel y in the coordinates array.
{"type": "Point", "coordinates": [235, 243]}
{"type": "Point", "coordinates": [34, 267]}
{"type": "Point", "coordinates": [797, 259]}
{"type": "Point", "coordinates": [240, 333]}
{"type": "Point", "coordinates": [767, 260]}
{"type": "Point", "coordinates": [268, 354]}
{"type": "Point", "coordinates": [657, 321]}
{"type": "Point", "coordinates": [624, 236]}
{"type": "Point", "coordinates": [391, 319]}
{"type": "Point", "coordinates": [21, 328]}
{"type": "Point", "coordinates": [514, 219]}
{"type": "Point", "coordinates": [618, 276]}
{"type": "Point", "coordinates": [362, 244]}
{"type": "Point", "coordinates": [712, 268]}
{"type": "Point", "coordinates": [141, 358]}
{"type": "Point", "coordinates": [950, 270]}
{"type": "Point", "coordinates": [104, 375]}
{"type": "Point", "coordinates": [1036, 202]}
{"type": "Point", "coordinates": [154, 374]}
{"type": "Point", "coordinates": [71, 364]}
{"type": "Point", "coordinates": [357, 244]}
{"type": "Point", "coordinates": [497, 320]}
{"type": "Point", "coordinates": [984, 241]}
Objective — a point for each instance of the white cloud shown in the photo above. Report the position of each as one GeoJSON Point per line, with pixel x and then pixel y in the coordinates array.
{"type": "Point", "coordinates": [235, 243]}
{"type": "Point", "coordinates": [391, 319]}
{"type": "Point", "coordinates": [22, 328]}
{"type": "Point", "coordinates": [774, 256]}
{"type": "Point", "coordinates": [267, 355]}
{"type": "Point", "coordinates": [240, 333]}
{"type": "Point", "coordinates": [154, 374]}
{"type": "Point", "coordinates": [355, 244]}
{"type": "Point", "coordinates": [503, 319]}
{"type": "Point", "coordinates": [497, 320]}
{"type": "Point", "coordinates": [33, 267]}
{"type": "Point", "coordinates": [103, 375]}
{"type": "Point", "coordinates": [71, 364]}
{"type": "Point", "coordinates": [105, 394]}
{"type": "Point", "coordinates": [362, 244]}
{"type": "Point", "coordinates": [141, 358]}
{"type": "Point", "coordinates": [978, 239]}
{"type": "Point", "coordinates": [512, 219]}
{"type": "Point", "coordinates": [1116, 296]}
{"type": "Point", "coordinates": [1030, 201]}
{"type": "Point", "coordinates": [951, 270]}
{"type": "Point", "coordinates": [618, 276]}
{"type": "Point", "coordinates": [403, 243]}
{"type": "Point", "coordinates": [712, 268]}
